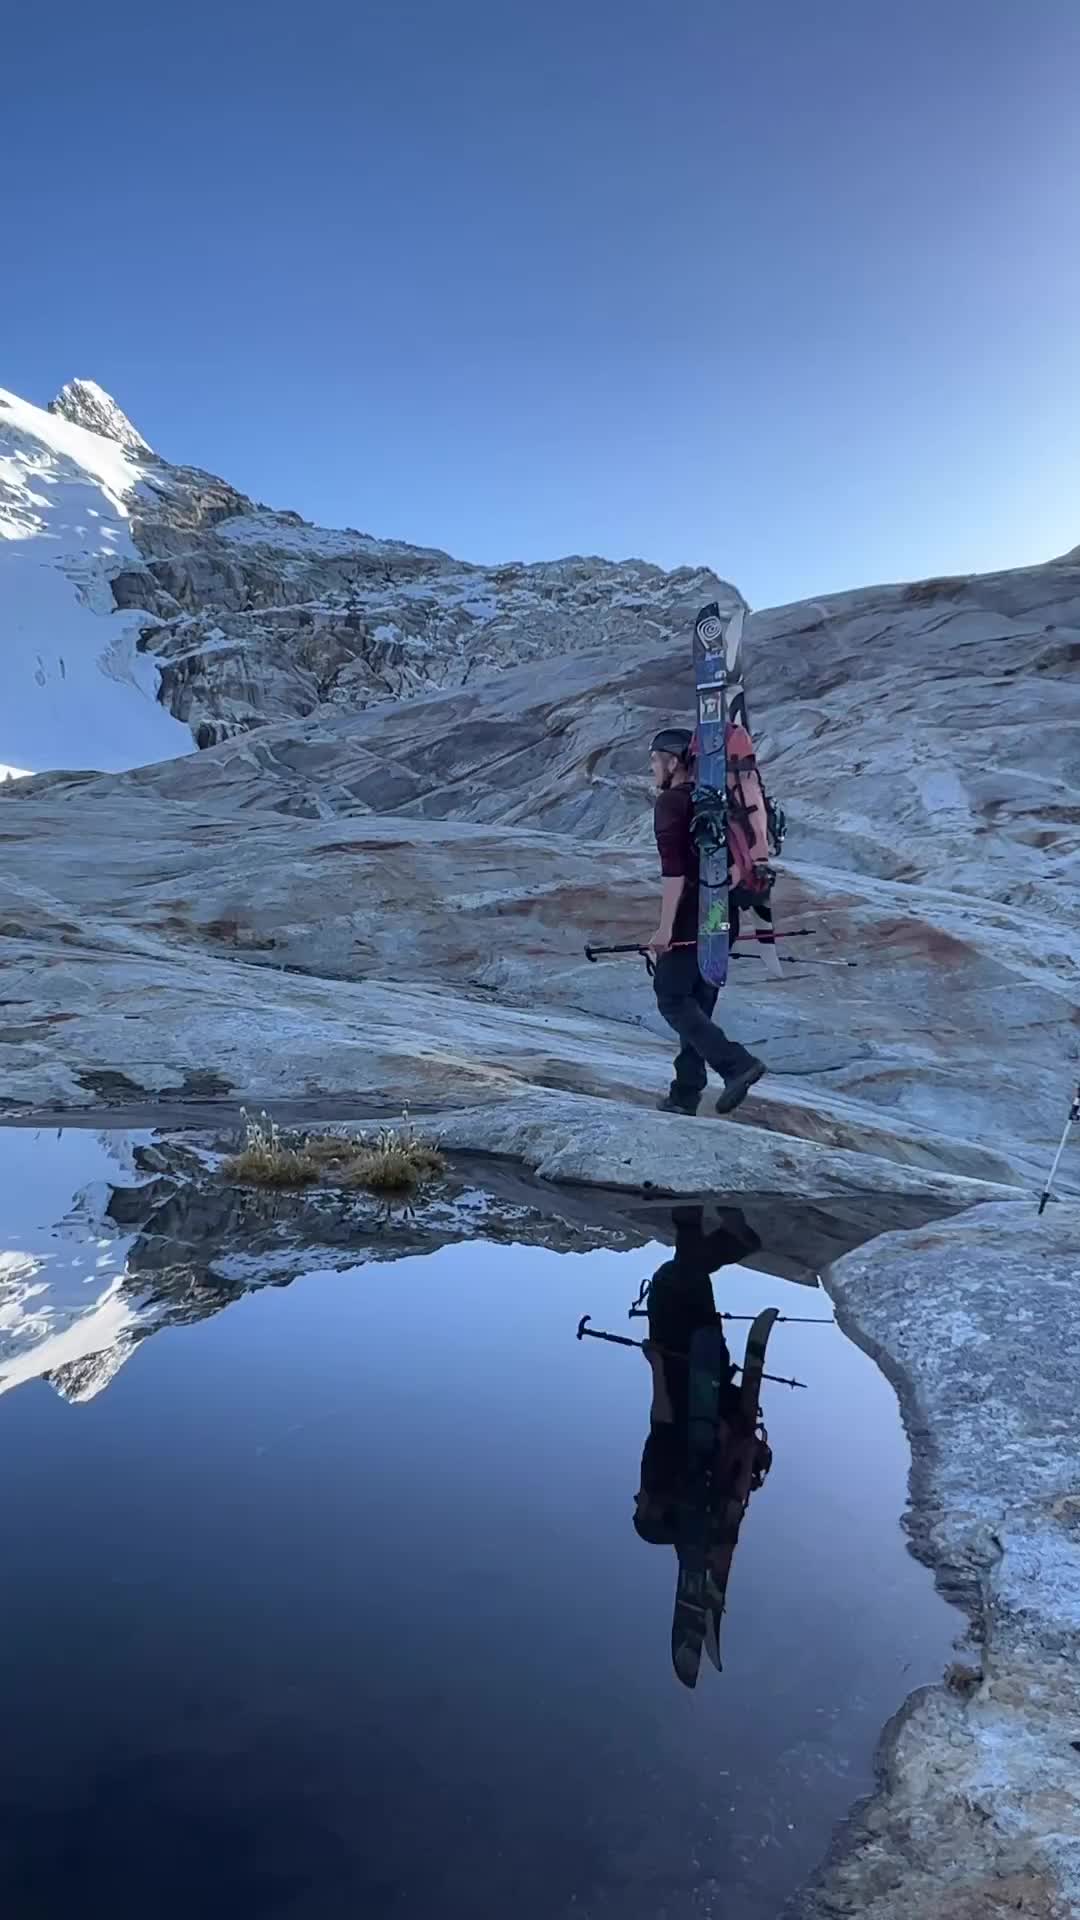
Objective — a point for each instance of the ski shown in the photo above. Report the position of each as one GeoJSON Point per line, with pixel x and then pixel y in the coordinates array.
{"type": "Point", "coordinates": [717, 677]}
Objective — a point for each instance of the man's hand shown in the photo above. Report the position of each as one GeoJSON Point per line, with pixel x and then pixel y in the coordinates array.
{"type": "Point", "coordinates": [660, 941]}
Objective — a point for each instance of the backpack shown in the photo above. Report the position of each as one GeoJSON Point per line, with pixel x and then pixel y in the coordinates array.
{"type": "Point", "coordinates": [756, 824]}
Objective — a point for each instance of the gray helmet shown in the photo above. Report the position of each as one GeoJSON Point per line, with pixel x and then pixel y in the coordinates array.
{"type": "Point", "coordinates": [676, 740]}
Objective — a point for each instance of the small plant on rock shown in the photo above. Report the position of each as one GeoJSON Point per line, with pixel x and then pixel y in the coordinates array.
{"type": "Point", "coordinates": [395, 1160]}
{"type": "Point", "coordinates": [265, 1160]}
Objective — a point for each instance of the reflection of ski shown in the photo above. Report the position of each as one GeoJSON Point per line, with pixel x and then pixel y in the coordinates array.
{"type": "Point", "coordinates": [725, 1463]}
{"type": "Point", "coordinates": [710, 1375]}
{"type": "Point", "coordinates": [754, 1367]}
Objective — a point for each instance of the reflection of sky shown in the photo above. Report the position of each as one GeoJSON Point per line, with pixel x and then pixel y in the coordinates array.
{"type": "Point", "coordinates": [355, 1562]}
{"type": "Point", "coordinates": [61, 1264]}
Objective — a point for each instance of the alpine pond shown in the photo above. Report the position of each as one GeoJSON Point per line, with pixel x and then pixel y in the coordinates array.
{"type": "Point", "coordinates": [337, 1601]}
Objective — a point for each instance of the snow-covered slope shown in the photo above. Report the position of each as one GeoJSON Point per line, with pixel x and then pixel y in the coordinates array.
{"type": "Point", "coordinates": [74, 690]}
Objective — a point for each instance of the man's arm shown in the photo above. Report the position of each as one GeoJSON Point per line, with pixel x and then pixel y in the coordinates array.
{"type": "Point", "coordinates": [671, 893]}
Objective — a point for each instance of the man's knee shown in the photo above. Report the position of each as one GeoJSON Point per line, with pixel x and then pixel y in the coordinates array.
{"type": "Point", "coordinates": [671, 1007]}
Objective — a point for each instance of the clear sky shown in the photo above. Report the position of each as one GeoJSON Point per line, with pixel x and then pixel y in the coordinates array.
{"type": "Point", "coordinates": [788, 287]}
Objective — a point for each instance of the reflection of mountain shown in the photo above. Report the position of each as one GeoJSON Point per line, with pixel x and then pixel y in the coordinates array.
{"type": "Point", "coordinates": [173, 1244]}
{"type": "Point", "coordinates": [62, 1259]}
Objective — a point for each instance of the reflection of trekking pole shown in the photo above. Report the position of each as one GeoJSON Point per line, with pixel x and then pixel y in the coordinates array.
{"type": "Point", "coordinates": [640, 1311]}
{"type": "Point", "coordinates": [1074, 1115]}
{"type": "Point", "coordinates": [585, 1332]}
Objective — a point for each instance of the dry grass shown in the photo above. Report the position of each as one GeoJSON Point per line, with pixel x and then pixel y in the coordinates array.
{"type": "Point", "coordinates": [392, 1161]}
{"type": "Point", "coordinates": [266, 1160]}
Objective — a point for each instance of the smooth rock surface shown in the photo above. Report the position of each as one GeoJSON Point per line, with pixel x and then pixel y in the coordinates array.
{"type": "Point", "coordinates": [974, 1319]}
{"type": "Point", "coordinates": [566, 1137]}
{"type": "Point", "coordinates": [475, 846]}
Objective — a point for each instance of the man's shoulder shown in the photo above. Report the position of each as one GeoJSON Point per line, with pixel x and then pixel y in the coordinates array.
{"type": "Point", "coordinates": [675, 803]}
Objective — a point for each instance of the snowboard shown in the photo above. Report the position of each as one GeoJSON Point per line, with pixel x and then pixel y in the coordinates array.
{"type": "Point", "coordinates": [724, 1459]}
{"type": "Point", "coordinates": [721, 701]}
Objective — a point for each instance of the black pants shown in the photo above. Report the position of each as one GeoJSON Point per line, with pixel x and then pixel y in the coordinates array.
{"type": "Point", "coordinates": [685, 1000]}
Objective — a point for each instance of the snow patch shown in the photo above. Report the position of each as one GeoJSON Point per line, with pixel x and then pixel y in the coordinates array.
{"type": "Point", "coordinates": [74, 691]}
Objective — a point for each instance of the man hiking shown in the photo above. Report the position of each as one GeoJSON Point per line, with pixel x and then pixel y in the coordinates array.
{"type": "Point", "coordinates": [686, 1000]}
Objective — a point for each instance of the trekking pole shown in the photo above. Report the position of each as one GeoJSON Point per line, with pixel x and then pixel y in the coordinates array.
{"type": "Point", "coordinates": [636, 946]}
{"type": "Point", "coordinates": [793, 960]}
{"type": "Point", "coordinates": [1074, 1115]}
{"type": "Point", "coordinates": [585, 1332]}
{"type": "Point", "coordinates": [593, 952]}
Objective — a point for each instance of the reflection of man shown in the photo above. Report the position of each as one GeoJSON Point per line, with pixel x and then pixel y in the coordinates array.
{"type": "Point", "coordinates": [696, 1507]}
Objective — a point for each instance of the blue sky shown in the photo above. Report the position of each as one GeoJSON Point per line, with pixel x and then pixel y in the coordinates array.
{"type": "Point", "coordinates": [788, 287]}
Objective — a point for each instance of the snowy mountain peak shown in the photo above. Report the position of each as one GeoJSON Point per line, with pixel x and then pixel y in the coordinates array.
{"type": "Point", "coordinates": [148, 608]}
{"type": "Point", "coordinates": [87, 405]}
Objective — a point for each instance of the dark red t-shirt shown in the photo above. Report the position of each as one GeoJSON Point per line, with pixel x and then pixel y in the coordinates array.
{"type": "Point", "coordinates": [678, 854]}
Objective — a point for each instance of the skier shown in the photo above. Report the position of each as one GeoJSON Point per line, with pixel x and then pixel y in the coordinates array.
{"type": "Point", "coordinates": [686, 1000]}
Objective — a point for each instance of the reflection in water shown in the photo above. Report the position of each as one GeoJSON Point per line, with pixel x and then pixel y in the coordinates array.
{"type": "Point", "coordinates": [329, 1604]}
{"type": "Point", "coordinates": [707, 1449]}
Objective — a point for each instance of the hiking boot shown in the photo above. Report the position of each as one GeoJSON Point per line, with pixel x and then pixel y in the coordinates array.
{"type": "Point", "coordinates": [669, 1105]}
{"type": "Point", "coordinates": [736, 1090]}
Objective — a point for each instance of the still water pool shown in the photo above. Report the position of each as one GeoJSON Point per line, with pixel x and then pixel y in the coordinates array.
{"type": "Point", "coordinates": [330, 1603]}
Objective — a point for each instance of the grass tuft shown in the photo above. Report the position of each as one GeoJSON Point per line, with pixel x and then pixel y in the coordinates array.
{"type": "Point", "coordinates": [394, 1160]}
{"type": "Point", "coordinates": [392, 1164]}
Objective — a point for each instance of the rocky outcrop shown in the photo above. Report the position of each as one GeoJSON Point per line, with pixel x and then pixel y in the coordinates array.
{"type": "Point", "coordinates": [263, 618]}
{"type": "Point", "coordinates": [455, 853]}
{"type": "Point", "coordinates": [254, 616]}
{"type": "Point", "coordinates": [978, 1816]}
{"type": "Point", "coordinates": [87, 405]}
